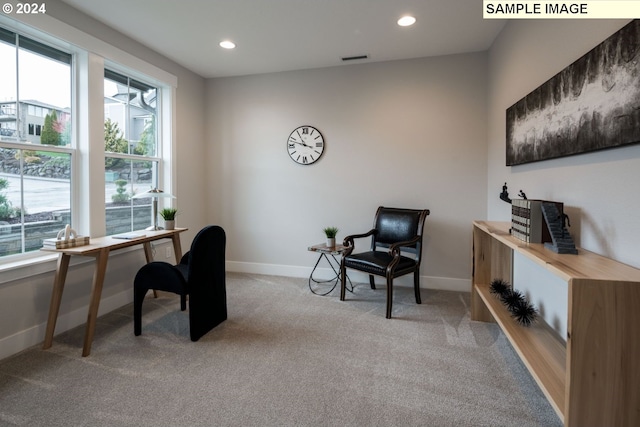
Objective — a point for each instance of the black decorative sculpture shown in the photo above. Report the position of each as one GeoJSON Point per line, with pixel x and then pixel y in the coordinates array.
{"type": "Point", "coordinates": [504, 196]}
{"type": "Point", "coordinates": [561, 241]}
{"type": "Point", "coordinates": [520, 308]}
{"type": "Point", "coordinates": [498, 286]}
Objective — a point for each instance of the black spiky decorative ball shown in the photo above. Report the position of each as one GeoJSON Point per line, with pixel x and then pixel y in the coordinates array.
{"type": "Point", "coordinates": [524, 312]}
{"type": "Point", "coordinates": [498, 287]}
{"type": "Point", "coordinates": [512, 298]}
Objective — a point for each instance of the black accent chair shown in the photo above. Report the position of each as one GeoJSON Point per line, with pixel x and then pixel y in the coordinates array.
{"type": "Point", "coordinates": [395, 234]}
{"type": "Point", "coordinates": [200, 274]}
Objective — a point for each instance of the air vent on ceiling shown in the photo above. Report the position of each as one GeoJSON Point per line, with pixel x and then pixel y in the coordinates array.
{"type": "Point", "coordinates": [353, 58]}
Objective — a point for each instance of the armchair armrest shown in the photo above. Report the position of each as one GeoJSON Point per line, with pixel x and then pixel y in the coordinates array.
{"type": "Point", "coordinates": [349, 243]}
{"type": "Point", "coordinates": [394, 249]}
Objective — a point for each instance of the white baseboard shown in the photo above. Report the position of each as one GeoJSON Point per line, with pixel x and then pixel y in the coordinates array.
{"type": "Point", "coordinates": [268, 269]}
{"type": "Point", "coordinates": [426, 282]}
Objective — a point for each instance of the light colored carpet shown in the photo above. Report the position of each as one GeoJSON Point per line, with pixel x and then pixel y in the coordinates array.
{"type": "Point", "coordinates": [285, 357]}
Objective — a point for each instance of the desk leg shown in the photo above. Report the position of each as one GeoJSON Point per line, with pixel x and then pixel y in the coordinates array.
{"type": "Point", "coordinates": [56, 297]}
{"type": "Point", "coordinates": [96, 292]}
{"type": "Point", "coordinates": [177, 249]}
{"type": "Point", "coordinates": [148, 254]}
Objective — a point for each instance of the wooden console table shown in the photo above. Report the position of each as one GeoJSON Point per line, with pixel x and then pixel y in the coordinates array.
{"type": "Point", "coordinates": [593, 378]}
{"type": "Point", "coordinates": [100, 249]}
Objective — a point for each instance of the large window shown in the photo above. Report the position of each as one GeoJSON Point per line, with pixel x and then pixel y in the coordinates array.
{"type": "Point", "coordinates": [51, 139]}
{"type": "Point", "coordinates": [35, 142]}
{"type": "Point", "coordinates": [131, 165]}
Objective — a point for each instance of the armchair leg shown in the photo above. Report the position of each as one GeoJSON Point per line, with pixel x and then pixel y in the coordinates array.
{"type": "Point", "coordinates": [138, 298]}
{"type": "Point", "coordinates": [389, 296]}
{"type": "Point", "coordinates": [416, 286]}
{"type": "Point", "coordinates": [343, 284]}
{"type": "Point", "coordinates": [372, 281]}
{"type": "Point", "coordinates": [183, 302]}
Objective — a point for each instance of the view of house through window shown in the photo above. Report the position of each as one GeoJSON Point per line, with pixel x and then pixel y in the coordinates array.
{"type": "Point", "coordinates": [35, 142]}
{"type": "Point", "coordinates": [131, 163]}
{"type": "Point", "coordinates": [37, 146]}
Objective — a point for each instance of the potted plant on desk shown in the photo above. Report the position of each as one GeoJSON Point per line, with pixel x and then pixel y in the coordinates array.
{"type": "Point", "coordinates": [331, 232]}
{"type": "Point", "coordinates": [169, 216]}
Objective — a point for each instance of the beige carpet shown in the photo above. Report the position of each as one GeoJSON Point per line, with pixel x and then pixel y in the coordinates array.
{"type": "Point", "coordinates": [285, 357]}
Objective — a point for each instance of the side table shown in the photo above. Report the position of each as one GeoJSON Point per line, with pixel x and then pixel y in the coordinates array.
{"type": "Point", "coordinates": [333, 262]}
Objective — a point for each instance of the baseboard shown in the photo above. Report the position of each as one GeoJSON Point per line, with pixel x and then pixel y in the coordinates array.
{"type": "Point", "coordinates": [35, 335]}
{"type": "Point", "coordinates": [426, 282]}
{"type": "Point", "coordinates": [268, 269]}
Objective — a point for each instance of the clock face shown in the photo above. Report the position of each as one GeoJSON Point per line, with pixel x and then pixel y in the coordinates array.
{"type": "Point", "coordinates": [305, 145]}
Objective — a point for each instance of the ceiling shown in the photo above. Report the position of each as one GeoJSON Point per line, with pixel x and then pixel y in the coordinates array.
{"type": "Point", "coordinates": [281, 35]}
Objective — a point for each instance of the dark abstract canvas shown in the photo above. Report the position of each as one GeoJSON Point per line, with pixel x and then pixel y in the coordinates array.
{"type": "Point", "coordinates": [592, 104]}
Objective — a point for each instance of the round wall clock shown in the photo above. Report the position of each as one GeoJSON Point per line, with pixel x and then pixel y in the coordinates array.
{"type": "Point", "coordinates": [305, 145]}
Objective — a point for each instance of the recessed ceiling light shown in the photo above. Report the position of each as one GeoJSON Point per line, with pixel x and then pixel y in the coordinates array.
{"type": "Point", "coordinates": [406, 21]}
{"type": "Point", "coordinates": [227, 44]}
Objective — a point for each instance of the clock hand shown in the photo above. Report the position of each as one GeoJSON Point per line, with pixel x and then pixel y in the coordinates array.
{"type": "Point", "coordinates": [301, 143]}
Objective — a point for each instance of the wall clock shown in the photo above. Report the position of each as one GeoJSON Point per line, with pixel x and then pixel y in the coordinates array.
{"type": "Point", "coordinates": [305, 145]}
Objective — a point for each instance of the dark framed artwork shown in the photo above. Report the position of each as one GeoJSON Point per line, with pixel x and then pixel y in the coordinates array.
{"type": "Point", "coordinates": [593, 104]}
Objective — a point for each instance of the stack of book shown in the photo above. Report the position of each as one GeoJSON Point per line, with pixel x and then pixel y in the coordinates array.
{"type": "Point", "coordinates": [64, 244]}
{"type": "Point", "coordinates": [527, 222]}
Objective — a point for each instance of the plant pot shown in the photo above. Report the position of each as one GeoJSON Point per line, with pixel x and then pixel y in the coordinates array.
{"type": "Point", "coordinates": [331, 242]}
{"type": "Point", "coordinates": [169, 224]}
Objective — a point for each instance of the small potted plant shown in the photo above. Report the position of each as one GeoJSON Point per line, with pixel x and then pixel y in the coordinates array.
{"type": "Point", "coordinates": [169, 216]}
{"type": "Point", "coordinates": [331, 232]}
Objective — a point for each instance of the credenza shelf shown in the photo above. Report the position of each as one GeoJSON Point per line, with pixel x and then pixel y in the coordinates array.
{"type": "Point", "coordinates": [539, 348]}
{"type": "Point", "coordinates": [593, 378]}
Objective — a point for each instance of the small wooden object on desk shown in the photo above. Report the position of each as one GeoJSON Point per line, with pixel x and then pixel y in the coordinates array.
{"type": "Point", "coordinates": [593, 379]}
{"type": "Point", "coordinates": [63, 244]}
{"type": "Point", "coordinates": [66, 238]}
{"type": "Point", "coordinates": [100, 248]}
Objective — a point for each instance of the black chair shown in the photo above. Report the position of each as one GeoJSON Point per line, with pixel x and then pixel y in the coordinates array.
{"type": "Point", "coordinates": [396, 233]}
{"type": "Point", "coordinates": [200, 274]}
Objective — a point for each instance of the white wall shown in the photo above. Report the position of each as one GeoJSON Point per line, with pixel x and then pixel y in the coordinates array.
{"type": "Point", "coordinates": [404, 133]}
{"type": "Point", "coordinates": [25, 292]}
{"type": "Point", "coordinates": [599, 189]}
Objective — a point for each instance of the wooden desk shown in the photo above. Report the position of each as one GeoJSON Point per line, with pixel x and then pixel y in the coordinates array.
{"type": "Point", "coordinates": [100, 249]}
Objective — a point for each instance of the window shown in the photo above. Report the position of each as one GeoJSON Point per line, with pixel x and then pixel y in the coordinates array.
{"type": "Point", "coordinates": [35, 179]}
{"type": "Point", "coordinates": [47, 155]}
{"type": "Point", "coordinates": [131, 165]}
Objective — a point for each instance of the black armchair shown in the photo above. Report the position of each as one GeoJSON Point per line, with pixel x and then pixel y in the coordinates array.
{"type": "Point", "coordinates": [200, 274]}
{"type": "Point", "coordinates": [398, 232]}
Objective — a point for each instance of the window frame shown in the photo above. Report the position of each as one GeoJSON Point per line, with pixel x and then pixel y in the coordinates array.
{"type": "Point", "coordinates": [131, 82]}
{"type": "Point", "coordinates": [19, 40]}
{"type": "Point", "coordinates": [89, 55]}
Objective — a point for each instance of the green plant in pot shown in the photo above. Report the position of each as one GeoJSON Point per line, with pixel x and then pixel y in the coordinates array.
{"type": "Point", "coordinates": [331, 232]}
{"type": "Point", "coordinates": [169, 216]}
